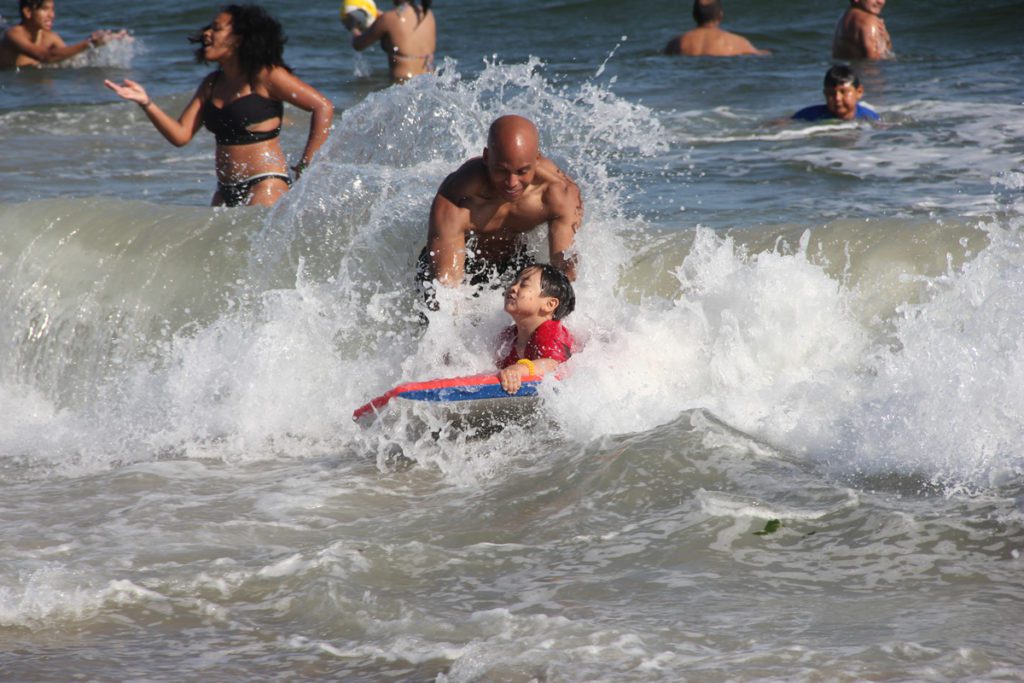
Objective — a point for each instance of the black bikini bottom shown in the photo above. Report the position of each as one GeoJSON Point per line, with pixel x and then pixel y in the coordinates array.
{"type": "Point", "coordinates": [237, 194]}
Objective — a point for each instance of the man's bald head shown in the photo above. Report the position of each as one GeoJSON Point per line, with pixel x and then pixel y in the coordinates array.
{"type": "Point", "coordinates": [513, 135]}
{"type": "Point", "coordinates": [511, 155]}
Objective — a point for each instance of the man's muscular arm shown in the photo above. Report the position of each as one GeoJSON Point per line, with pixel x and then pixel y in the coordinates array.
{"type": "Point", "coordinates": [52, 49]}
{"type": "Point", "coordinates": [566, 205]}
{"type": "Point", "coordinates": [446, 236]}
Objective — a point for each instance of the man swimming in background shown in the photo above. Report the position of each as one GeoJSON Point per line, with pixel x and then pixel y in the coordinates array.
{"type": "Point", "coordinates": [708, 40]}
{"type": "Point", "coordinates": [861, 33]}
{"type": "Point", "coordinates": [34, 42]}
{"type": "Point", "coordinates": [482, 211]}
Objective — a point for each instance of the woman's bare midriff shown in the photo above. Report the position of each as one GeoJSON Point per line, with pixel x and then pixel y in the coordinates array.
{"type": "Point", "coordinates": [236, 163]}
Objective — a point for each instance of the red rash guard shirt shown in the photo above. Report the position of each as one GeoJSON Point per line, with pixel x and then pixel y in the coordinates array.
{"type": "Point", "coordinates": [550, 340]}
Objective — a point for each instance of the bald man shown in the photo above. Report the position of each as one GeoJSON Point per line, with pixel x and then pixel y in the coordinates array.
{"type": "Point", "coordinates": [483, 210]}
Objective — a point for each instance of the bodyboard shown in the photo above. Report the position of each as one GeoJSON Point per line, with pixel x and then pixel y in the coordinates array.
{"type": "Point", "coordinates": [479, 394]}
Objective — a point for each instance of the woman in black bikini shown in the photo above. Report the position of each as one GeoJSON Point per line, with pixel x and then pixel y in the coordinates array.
{"type": "Point", "coordinates": [407, 34]}
{"type": "Point", "coordinates": [241, 103]}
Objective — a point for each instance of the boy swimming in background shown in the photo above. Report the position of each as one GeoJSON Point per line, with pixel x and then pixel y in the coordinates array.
{"type": "Point", "coordinates": [34, 42]}
{"type": "Point", "coordinates": [842, 99]}
{"type": "Point", "coordinates": [535, 345]}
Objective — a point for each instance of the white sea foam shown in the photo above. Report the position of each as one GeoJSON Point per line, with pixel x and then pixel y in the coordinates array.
{"type": "Point", "coordinates": [185, 490]}
{"type": "Point", "coordinates": [948, 401]}
{"type": "Point", "coordinates": [312, 312]}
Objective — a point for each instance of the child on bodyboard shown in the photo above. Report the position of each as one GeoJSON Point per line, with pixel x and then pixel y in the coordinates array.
{"type": "Point", "coordinates": [539, 298]}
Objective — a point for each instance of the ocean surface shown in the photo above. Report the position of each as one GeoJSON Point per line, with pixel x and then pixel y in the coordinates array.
{"type": "Point", "coordinates": [790, 449]}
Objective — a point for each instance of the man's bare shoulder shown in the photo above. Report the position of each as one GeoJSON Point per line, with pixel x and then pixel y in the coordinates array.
{"type": "Point", "coordinates": [691, 43]}
{"type": "Point", "coordinates": [710, 41]}
{"type": "Point", "coordinates": [559, 188]}
{"type": "Point", "coordinates": [15, 35]}
{"type": "Point", "coordinates": [551, 173]}
{"type": "Point", "coordinates": [12, 50]}
{"type": "Point", "coordinates": [467, 180]}
{"type": "Point", "coordinates": [733, 44]}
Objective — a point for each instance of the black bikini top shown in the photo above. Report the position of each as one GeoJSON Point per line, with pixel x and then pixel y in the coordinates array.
{"type": "Point", "coordinates": [230, 123]}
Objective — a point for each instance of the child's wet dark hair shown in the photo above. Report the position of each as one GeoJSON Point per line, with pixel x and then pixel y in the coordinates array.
{"type": "Point", "coordinates": [840, 74]}
{"type": "Point", "coordinates": [553, 282]}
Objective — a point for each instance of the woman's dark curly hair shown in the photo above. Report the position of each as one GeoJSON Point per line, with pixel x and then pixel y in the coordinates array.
{"type": "Point", "coordinates": [261, 39]}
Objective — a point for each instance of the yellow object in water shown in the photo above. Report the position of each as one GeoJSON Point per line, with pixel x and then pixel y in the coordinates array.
{"type": "Point", "coordinates": [358, 14]}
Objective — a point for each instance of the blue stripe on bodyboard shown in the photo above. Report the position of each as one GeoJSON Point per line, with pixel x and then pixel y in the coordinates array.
{"type": "Point", "coordinates": [468, 393]}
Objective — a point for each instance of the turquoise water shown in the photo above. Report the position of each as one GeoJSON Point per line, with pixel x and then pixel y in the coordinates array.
{"type": "Point", "coordinates": [814, 326]}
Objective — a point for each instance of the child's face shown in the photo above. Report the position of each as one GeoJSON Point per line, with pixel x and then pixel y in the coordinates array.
{"type": "Point", "coordinates": [523, 299]}
{"type": "Point", "coordinates": [40, 17]}
{"type": "Point", "coordinates": [842, 100]}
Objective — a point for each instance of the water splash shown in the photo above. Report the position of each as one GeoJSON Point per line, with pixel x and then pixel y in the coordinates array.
{"type": "Point", "coordinates": [247, 335]}
{"type": "Point", "coordinates": [322, 310]}
{"type": "Point", "coordinates": [118, 53]}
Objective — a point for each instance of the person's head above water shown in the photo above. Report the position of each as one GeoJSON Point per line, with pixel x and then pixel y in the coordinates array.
{"type": "Point", "coordinates": [841, 74]}
{"type": "Point", "coordinates": [540, 289]}
{"type": "Point", "coordinates": [255, 37]}
{"type": "Point", "coordinates": [870, 6]}
{"type": "Point", "coordinates": [510, 133]}
{"type": "Point", "coordinates": [707, 12]}
{"type": "Point", "coordinates": [554, 283]}
{"type": "Point", "coordinates": [28, 9]}
{"type": "Point", "coordinates": [513, 148]}
{"type": "Point", "coordinates": [842, 91]}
